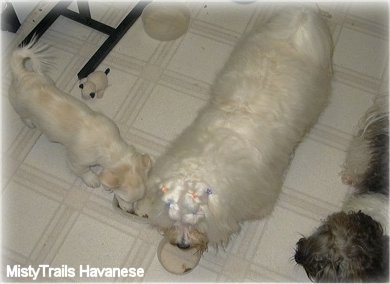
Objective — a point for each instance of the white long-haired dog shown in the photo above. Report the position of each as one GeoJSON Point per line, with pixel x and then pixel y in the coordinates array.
{"type": "Point", "coordinates": [90, 138]}
{"type": "Point", "coordinates": [228, 166]}
{"type": "Point", "coordinates": [353, 245]}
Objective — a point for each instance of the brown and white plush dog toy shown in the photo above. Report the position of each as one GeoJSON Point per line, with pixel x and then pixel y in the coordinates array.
{"type": "Point", "coordinates": [90, 138]}
{"type": "Point", "coordinates": [352, 245]}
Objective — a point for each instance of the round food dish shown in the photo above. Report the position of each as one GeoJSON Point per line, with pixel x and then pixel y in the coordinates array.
{"type": "Point", "coordinates": [165, 21]}
{"type": "Point", "coordinates": [176, 260]}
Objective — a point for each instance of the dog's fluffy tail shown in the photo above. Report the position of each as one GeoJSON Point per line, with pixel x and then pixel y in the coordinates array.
{"type": "Point", "coordinates": [307, 31]}
{"type": "Point", "coordinates": [33, 52]}
{"type": "Point", "coordinates": [313, 37]}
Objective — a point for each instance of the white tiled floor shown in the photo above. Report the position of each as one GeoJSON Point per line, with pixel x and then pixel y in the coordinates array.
{"type": "Point", "coordinates": [352, 46]}
{"type": "Point", "coordinates": [156, 88]}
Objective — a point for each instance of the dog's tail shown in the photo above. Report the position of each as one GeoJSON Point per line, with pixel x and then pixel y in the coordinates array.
{"type": "Point", "coordinates": [307, 31]}
{"type": "Point", "coordinates": [313, 37]}
{"type": "Point", "coordinates": [33, 52]}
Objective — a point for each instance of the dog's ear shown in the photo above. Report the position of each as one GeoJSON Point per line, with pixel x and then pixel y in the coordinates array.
{"type": "Point", "coordinates": [109, 179]}
{"type": "Point", "coordinates": [81, 86]}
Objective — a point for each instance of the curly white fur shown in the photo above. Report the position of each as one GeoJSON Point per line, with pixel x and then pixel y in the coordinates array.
{"type": "Point", "coordinates": [228, 166]}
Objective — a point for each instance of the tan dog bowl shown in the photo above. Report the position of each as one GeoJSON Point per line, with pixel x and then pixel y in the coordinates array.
{"type": "Point", "coordinates": [165, 21]}
{"type": "Point", "coordinates": [175, 260]}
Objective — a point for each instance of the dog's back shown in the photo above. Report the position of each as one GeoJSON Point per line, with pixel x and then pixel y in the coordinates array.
{"type": "Point", "coordinates": [41, 104]}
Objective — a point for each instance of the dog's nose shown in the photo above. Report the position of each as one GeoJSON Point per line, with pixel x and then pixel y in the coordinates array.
{"type": "Point", "coordinates": [183, 245]}
{"type": "Point", "coordinates": [92, 95]}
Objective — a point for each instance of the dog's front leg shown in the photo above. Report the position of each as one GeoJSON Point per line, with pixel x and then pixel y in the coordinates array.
{"type": "Point", "coordinates": [90, 178]}
{"type": "Point", "coordinates": [28, 122]}
{"type": "Point", "coordinates": [356, 162]}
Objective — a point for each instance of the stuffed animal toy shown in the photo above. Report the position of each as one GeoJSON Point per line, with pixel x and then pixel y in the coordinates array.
{"type": "Point", "coordinates": [94, 84]}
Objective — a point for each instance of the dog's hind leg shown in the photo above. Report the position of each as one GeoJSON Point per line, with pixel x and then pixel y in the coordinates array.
{"type": "Point", "coordinates": [90, 178]}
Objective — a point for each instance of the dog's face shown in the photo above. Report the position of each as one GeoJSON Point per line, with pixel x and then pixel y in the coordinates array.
{"type": "Point", "coordinates": [88, 90]}
{"type": "Point", "coordinates": [127, 177]}
{"type": "Point", "coordinates": [347, 247]}
{"type": "Point", "coordinates": [183, 209]}
{"type": "Point", "coordinates": [184, 237]}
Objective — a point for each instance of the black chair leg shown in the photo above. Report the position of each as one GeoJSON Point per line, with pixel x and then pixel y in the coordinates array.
{"type": "Point", "coordinates": [9, 19]}
{"type": "Point", "coordinates": [84, 17]}
{"type": "Point", "coordinates": [46, 22]}
{"type": "Point", "coordinates": [112, 40]}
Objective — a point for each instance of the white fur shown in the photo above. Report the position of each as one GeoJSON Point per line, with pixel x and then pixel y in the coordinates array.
{"type": "Point", "coordinates": [228, 166]}
{"type": "Point", "coordinates": [359, 158]}
{"type": "Point", "coordinates": [359, 152]}
{"type": "Point", "coordinates": [90, 138]}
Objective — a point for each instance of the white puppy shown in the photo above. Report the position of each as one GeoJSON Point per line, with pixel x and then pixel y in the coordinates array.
{"type": "Point", "coordinates": [90, 138]}
{"type": "Point", "coordinates": [229, 165]}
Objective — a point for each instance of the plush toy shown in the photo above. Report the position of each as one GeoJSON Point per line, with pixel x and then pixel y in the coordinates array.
{"type": "Point", "coordinates": [94, 84]}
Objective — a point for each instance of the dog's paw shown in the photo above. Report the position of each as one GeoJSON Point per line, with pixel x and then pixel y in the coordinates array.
{"type": "Point", "coordinates": [91, 179]}
{"type": "Point", "coordinates": [350, 179]}
{"type": "Point", "coordinates": [143, 207]}
{"type": "Point", "coordinates": [28, 122]}
{"type": "Point", "coordinates": [347, 179]}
